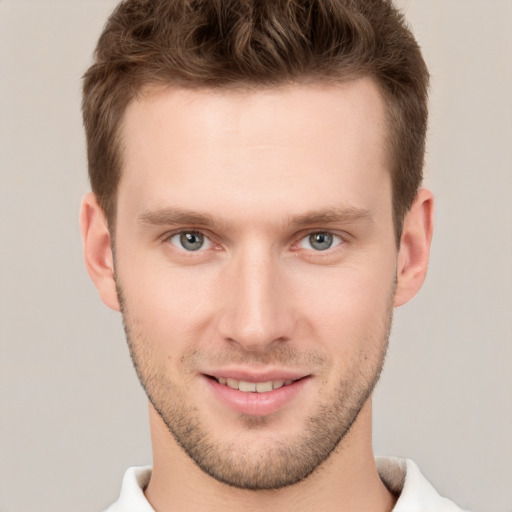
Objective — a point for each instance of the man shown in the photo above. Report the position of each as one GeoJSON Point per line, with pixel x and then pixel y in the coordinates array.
{"type": "Point", "coordinates": [256, 215]}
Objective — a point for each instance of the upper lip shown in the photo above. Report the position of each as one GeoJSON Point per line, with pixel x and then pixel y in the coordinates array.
{"type": "Point", "coordinates": [252, 375]}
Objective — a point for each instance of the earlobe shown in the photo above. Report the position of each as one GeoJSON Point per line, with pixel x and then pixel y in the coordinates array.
{"type": "Point", "coordinates": [98, 255]}
{"type": "Point", "coordinates": [414, 252]}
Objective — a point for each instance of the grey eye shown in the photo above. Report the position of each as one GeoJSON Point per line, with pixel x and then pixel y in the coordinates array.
{"type": "Point", "coordinates": [320, 241]}
{"type": "Point", "coordinates": [190, 241]}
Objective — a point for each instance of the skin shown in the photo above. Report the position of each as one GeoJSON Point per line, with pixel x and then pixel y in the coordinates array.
{"type": "Point", "coordinates": [257, 173]}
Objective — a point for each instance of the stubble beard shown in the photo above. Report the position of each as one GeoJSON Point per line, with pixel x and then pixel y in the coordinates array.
{"type": "Point", "coordinates": [282, 462]}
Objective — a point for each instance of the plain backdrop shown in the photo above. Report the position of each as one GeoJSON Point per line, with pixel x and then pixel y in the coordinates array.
{"type": "Point", "coordinates": [73, 416]}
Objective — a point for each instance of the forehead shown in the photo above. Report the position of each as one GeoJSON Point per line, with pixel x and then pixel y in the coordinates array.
{"type": "Point", "coordinates": [280, 145]}
{"type": "Point", "coordinates": [198, 115]}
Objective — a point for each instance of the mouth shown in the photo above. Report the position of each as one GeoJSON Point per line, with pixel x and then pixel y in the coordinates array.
{"type": "Point", "coordinates": [256, 395]}
{"type": "Point", "coordinates": [253, 387]}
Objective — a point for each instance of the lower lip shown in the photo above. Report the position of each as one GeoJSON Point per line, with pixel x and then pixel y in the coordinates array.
{"type": "Point", "coordinates": [256, 404]}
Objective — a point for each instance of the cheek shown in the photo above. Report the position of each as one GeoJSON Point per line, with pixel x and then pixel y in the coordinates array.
{"type": "Point", "coordinates": [347, 300]}
{"type": "Point", "coordinates": [177, 308]}
{"type": "Point", "coordinates": [352, 323]}
{"type": "Point", "coordinates": [169, 306]}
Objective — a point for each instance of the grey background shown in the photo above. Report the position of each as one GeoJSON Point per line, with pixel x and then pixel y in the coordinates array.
{"type": "Point", "coordinates": [73, 417]}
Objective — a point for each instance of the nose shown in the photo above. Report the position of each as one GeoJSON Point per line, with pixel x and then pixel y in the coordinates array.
{"type": "Point", "coordinates": [256, 308]}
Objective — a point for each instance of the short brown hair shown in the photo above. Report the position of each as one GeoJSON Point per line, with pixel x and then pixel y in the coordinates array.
{"type": "Point", "coordinates": [255, 43]}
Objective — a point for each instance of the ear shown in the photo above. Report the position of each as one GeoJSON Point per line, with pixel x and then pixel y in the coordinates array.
{"type": "Point", "coordinates": [414, 250]}
{"type": "Point", "coordinates": [99, 260]}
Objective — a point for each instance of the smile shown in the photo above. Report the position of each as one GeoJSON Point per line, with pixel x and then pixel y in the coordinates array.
{"type": "Point", "coordinates": [256, 395]}
{"type": "Point", "coordinates": [253, 387]}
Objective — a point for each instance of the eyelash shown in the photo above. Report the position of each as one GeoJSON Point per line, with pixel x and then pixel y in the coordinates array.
{"type": "Point", "coordinates": [336, 239]}
{"type": "Point", "coordinates": [182, 232]}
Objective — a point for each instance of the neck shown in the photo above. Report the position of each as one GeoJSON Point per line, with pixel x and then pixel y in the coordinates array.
{"type": "Point", "coordinates": [346, 482]}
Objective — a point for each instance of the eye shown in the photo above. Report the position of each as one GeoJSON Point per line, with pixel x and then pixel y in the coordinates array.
{"type": "Point", "coordinates": [320, 241]}
{"type": "Point", "coordinates": [190, 241]}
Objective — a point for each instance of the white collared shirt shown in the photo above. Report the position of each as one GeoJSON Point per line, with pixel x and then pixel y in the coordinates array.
{"type": "Point", "coordinates": [401, 476]}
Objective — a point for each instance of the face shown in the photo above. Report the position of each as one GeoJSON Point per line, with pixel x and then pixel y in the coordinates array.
{"type": "Point", "coordinates": [255, 265]}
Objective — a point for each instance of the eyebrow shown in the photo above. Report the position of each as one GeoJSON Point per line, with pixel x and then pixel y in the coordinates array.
{"type": "Point", "coordinates": [171, 215]}
{"type": "Point", "coordinates": [331, 216]}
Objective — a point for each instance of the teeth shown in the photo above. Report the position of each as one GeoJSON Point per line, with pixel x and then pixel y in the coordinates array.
{"type": "Point", "coordinates": [264, 387]}
{"type": "Point", "coordinates": [247, 387]}
{"type": "Point", "coordinates": [232, 383]}
{"type": "Point", "coordinates": [254, 387]}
